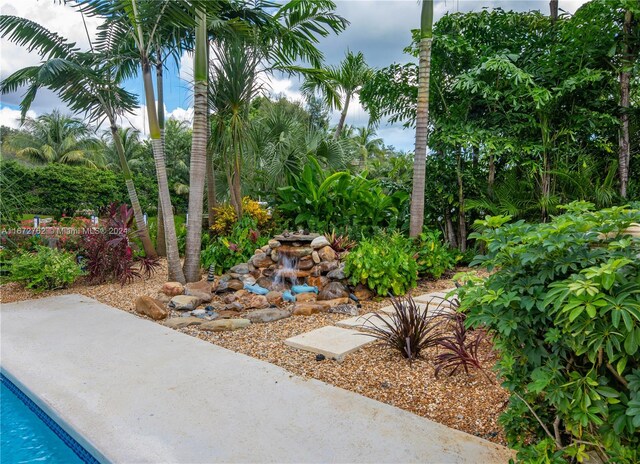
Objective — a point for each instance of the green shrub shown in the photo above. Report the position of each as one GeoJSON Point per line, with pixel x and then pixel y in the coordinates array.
{"type": "Point", "coordinates": [384, 263]}
{"type": "Point", "coordinates": [45, 269]}
{"type": "Point", "coordinates": [343, 201]}
{"type": "Point", "coordinates": [224, 252]}
{"type": "Point", "coordinates": [563, 308]}
{"type": "Point", "coordinates": [433, 256]}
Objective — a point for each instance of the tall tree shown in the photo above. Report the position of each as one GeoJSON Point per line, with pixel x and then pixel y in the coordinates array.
{"type": "Point", "coordinates": [339, 84]}
{"type": "Point", "coordinates": [422, 119]}
{"type": "Point", "coordinates": [198, 164]}
{"type": "Point", "coordinates": [624, 155]}
{"type": "Point", "coordinates": [88, 82]}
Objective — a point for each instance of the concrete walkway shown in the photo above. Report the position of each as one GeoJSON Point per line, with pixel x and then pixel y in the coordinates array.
{"type": "Point", "coordinates": [136, 391]}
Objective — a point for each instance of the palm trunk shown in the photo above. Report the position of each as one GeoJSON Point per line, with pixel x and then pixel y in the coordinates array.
{"type": "Point", "coordinates": [211, 189]}
{"type": "Point", "coordinates": [492, 174]}
{"type": "Point", "coordinates": [142, 232]}
{"type": "Point", "coordinates": [173, 256]}
{"type": "Point", "coordinates": [624, 154]}
{"type": "Point", "coordinates": [161, 244]}
{"type": "Point", "coordinates": [343, 117]}
{"type": "Point", "coordinates": [450, 232]}
{"type": "Point", "coordinates": [422, 128]}
{"type": "Point", "coordinates": [553, 10]}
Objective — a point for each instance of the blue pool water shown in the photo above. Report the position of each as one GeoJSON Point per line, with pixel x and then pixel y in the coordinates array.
{"type": "Point", "coordinates": [25, 438]}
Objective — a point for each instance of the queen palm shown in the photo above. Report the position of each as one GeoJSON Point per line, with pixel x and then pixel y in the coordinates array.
{"type": "Point", "coordinates": [339, 84]}
{"type": "Point", "coordinates": [422, 119]}
{"type": "Point", "coordinates": [57, 138]}
{"type": "Point", "coordinates": [88, 82]}
{"type": "Point", "coordinates": [367, 145]}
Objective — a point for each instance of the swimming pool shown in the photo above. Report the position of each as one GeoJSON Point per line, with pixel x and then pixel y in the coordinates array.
{"type": "Point", "coordinates": [28, 434]}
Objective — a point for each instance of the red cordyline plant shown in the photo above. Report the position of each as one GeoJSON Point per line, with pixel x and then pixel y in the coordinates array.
{"type": "Point", "coordinates": [341, 244]}
{"type": "Point", "coordinates": [108, 252]}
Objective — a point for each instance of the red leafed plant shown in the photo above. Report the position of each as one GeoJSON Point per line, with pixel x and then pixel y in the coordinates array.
{"type": "Point", "coordinates": [460, 348]}
{"type": "Point", "coordinates": [341, 244]}
{"type": "Point", "coordinates": [108, 252]}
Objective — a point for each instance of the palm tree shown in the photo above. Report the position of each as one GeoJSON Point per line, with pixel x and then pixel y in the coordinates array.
{"type": "Point", "coordinates": [367, 145]}
{"type": "Point", "coordinates": [422, 119]}
{"type": "Point", "coordinates": [88, 83]}
{"type": "Point", "coordinates": [57, 138]}
{"type": "Point", "coordinates": [198, 163]}
{"type": "Point", "coordinates": [133, 150]}
{"type": "Point", "coordinates": [339, 84]}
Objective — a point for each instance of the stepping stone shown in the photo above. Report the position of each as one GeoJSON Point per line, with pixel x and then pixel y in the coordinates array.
{"type": "Point", "coordinates": [333, 342]}
{"type": "Point", "coordinates": [364, 322]}
{"type": "Point", "coordinates": [432, 308]}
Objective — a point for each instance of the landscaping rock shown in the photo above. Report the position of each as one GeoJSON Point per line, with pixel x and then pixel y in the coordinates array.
{"type": "Point", "coordinates": [255, 302]}
{"type": "Point", "coordinates": [363, 293]}
{"type": "Point", "coordinates": [269, 271]}
{"type": "Point", "coordinates": [306, 297]}
{"type": "Point", "coordinates": [274, 255]}
{"type": "Point", "coordinates": [248, 279]}
{"type": "Point", "coordinates": [307, 309]}
{"type": "Point", "coordinates": [223, 314]}
{"type": "Point", "coordinates": [149, 307]}
{"type": "Point", "coordinates": [274, 243]}
{"type": "Point", "coordinates": [184, 302]}
{"type": "Point", "coordinates": [327, 266]}
{"type": "Point", "coordinates": [315, 257]}
{"type": "Point", "coordinates": [240, 269]}
{"type": "Point", "coordinates": [264, 282]}
{"type": "Point", "coordinates": [162, 298]}
{"type": "Point", "coordinates": [231, 297]}
{"type": "Point", "coordinates": [305, 263]}
{"type": "Point", "coordinates": [327, 254]}
{"type": "Point", "coordinates": [319, 242]}
{"type": "Point", "coordinates": [201, 313]}
{"type": "Point", "coordinates": [274, 298]}
{"type": "Point", "coordinates": [202, 286]}
{"type": "Point", "coordinates": [319, 281]}
{"type": "Point", "coordinates": [172, 288]}
{"type": "Point", "coordinates": [295, 252]}
{"type": "Point", "coordinates": [225, 324]}
{"type": "Point", "coordinates": [332, 291]}
{"type": "Point", "coordinates": [266, 315]}
{"type": "Point", "coordinates": [235, 306]}
{"type": "Point", "coordinates": [205, 297]}
{"type": "Point", "coordinates": [337, 274]}
{"type": "Point", "coordinates": [346, 309]}
{"type": "Point", "coordinates": [261, 260]}
{"type": "Point", "coordinates": [327, 304]}
{"type": "Point", "coordinates": [182, 322]}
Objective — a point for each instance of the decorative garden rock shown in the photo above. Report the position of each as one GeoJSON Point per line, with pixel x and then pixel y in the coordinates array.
{"type": "Point", "coordinates": [319, 281]}
{"type": "Point", "coordinates": [163, 298]}
{"type": "Point", "coordinates": [315, 257]}
{"type": "Point", "coordinates": [182, 322]}
{"type": "Point", "coordinates": [327, 254]}
{"type": "Point", "coordinates": [150, 307]}
{"type": "Point", "coordinates": [320, 242]}
{"type": "Point", "coordinates": [205, 297]}
{"type": "Point", "coordinates": [255, 302]}
{"type": "Point", "coordinates": [172, 288]}
{"type": "Point", "coordinates": [362, 292]}
{"type": "Point", "coordinates": [274, 243]}
{"type": "Point", "coordinates": [202, 286]}
{"type": "Point", "coordinates": [225, 325]}
{"type": "Point", "coordinates": [266, 315]}
{"type": "Point", "coordinates": [305, 263]}
{"type": "Point", "coordinates": [184, 302]}
{"type": "Point", "coordinates": [240, 269]}
{"type": "Point", "coordinates": [274, 298]}
{"type": "Point", "coordinates": [332, 291]}
{"type": "Point", "coordinates": [235, 306]}
{"type": "Point", "coordinates": [264, 282]}
{"type": "Point", "coordinates": [261, 260]}
{"type": "Point", "coordinates": [346, 309]}
{"type": "Point", "coordinates": [307, 309]}
{"type": "Point", "coordinates": [306, 297]}
{"type": "Point", "coordinates": [294, 251]}
{"type": "Point", "coordinates": [327, 266]}
{"type": "Point", "coordinates": [338, 273]}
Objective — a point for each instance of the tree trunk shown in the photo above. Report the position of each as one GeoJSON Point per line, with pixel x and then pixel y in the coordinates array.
{"type": "Point", "coordinates": [553, 10]}
{"type": "Point", "coordinates": [422, 129]}
{"type": "Point", "coordinates": [173, 256]}
{"type": "Point", "coordinates": [450, 232]}
{"type": "Point", "coordinates": [160, 237]}
{"type": "Point", "coordinates": [142, 231]}
{"type": "Point", "coordinates": [624, 154]}
{"type": "Point", "coordinates": [492, 175]}
{"type": "Point", "coordinates": [462, 221]}
{"type": "Point", "coordinates": [211, 189]}
{"type": "Point", "coordinates": [343, 117]}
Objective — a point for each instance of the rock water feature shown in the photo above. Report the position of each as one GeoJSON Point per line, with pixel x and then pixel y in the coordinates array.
{"type": "Point", "coordinates": [294, 274]}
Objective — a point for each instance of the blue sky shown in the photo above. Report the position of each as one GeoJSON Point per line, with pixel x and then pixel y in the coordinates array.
{"type": "Point", "coordinates": [379, 28]}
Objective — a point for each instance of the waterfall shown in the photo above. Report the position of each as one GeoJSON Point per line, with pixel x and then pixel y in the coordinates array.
{"type": "Point", "coordinates": [287, 269]}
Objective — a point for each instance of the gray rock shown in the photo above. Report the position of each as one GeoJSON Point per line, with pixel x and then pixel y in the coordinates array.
{"type": "Point", "coordinates": [240, 269]}
{"type": "Point", "coordinates": [267, 315]}
{"type": "Point", "coordinates": [337, 274]}
{"type": "Point", "coordinates": [346, 309]}
{"type": "Point", "coordinates": [199, 312]}
{"type": "Point", "coordinates": [332, 291]}
{"type": "Point", "coordinates": [181, 322]}
{"type": "Point", "coordinates": [248, 279]}
{"type": "Point", "coordinates": [225, 324]}
{"type": "Point", "coordinates": [319, 242]}
{"type": "Point", "coordinates": [184, 302]}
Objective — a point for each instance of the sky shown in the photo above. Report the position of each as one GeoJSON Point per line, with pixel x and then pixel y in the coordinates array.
{"type": "Point", "coordinates": [381, 29]}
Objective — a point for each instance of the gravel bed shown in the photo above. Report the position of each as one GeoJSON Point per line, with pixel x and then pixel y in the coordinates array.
{"type": "Point", "coordinates": [471, 403]}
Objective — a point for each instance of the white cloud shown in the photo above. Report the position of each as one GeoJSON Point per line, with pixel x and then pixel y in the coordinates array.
{"type": "Point", "coordinates": [11, 118]}
{"type": "Point", "coordinates": [138, 119]}
{"type": "Point", "coordinates": [181, 114]}
{"type": "Point", "coordinates": [276, 87]}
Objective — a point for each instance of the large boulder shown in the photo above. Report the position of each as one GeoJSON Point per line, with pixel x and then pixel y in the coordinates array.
{"type": "Point", "coordinates": [274, 298]}
{"type": "Point", "coordinates": [225, 325]}
{"type": "Point", "coordinates": [332, 291]}
{"type": "Point", "coordinates": [266, 315]}
{"type": "Point", "coordinates": [337, 274]}
{"type": "Point", "coordinates": [182, 322]}
{"type": "Point", "coordinates": [240, 269]}
{"type": "Point", "coordinates": [261, 260]}
{"type": "Point", "coordinates": [305, 297]}
{"type": "Point", "coordinates": [327, 254]}
{"type": "Point", "coordinates": [150, 307]}
{"type": "Point", "coordinates": [172, 288]}
{"type": "Point", "coordinates": [319, 242]}
{"type": "Point", "coordinates": [201, 289]}
{"type": "Point", "coordinates": [184, 302]}
{"type": "Point", "coordinates": [295, 251]}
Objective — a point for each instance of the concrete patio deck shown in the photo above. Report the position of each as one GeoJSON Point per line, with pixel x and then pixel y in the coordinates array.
{"type": "Point", "coordinates": [136, 391]}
